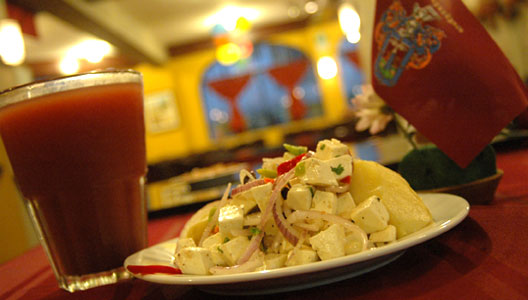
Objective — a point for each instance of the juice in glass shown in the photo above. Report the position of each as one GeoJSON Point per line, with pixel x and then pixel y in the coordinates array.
{"type": "Point", "coordinates": [77, 148]}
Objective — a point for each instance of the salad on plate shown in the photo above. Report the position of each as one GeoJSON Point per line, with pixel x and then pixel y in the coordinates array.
{"type": "Point", "coordinates": [302, 207]}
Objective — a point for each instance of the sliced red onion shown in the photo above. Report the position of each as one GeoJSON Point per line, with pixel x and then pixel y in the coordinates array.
{"type": "Point", "coordinates": [302, 215]}
{"type": "Point", "coordinates": [242, 188]}
{"type": "Point", "coordinates": [212, 221]}
{"type": "Point", "coordinates": [275, 193]}
{"type": "Point", "coordinates": [248, 266]}
{"type": "Point", "coordinates": [285, 228]}
{"type": "Point", "coordinates": [251, 248]}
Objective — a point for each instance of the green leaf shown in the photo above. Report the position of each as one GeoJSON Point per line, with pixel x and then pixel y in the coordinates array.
{"type": "Point", "coordinates": [255, 231]}
{"type": "Point", "coordinates": [338, 170]}
{"type": "Point", "coordinates": [295, 150]}
{"type": "Point", "coordinates": [323, 146]}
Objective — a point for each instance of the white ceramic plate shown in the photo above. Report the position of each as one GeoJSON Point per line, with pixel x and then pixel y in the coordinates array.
{"type": "Point", "coordinates": [447, 210]}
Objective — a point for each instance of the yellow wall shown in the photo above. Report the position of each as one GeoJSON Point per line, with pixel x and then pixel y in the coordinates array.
{"type": "Point", "coordinates": [16, 232]}
{"type": "Point", "coordinates": [183, 75]}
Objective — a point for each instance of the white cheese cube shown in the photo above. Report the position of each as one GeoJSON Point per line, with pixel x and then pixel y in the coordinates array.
{"type": "Point", "coordinates": [244, 200]}
{"type": "Point", "coordinates": [301, 256]}
{"type": "Point", "coordinates": [213, 243]}
{"type": "Point", "coordinates": [274, 260]}
{"type": "Point", "coordinates": [233, 249]}
{"type": "Point", "coordinates": [272, 163]}
{"type": "Point", "coordinates": [231, 217]}
{"type": "Point", "coordinates": [353, 242]}
{"type": "Point", "coordinates": [329, 243]}
{"type": "Point", "coordinates": [184, 243]}
{"type": "Point", "coordinates": [327, 149]}
{"type": "Point", "coordinates": [261, 195]}
{"type": "Point", "coordinates": [324, 201]}
{"type": "Point", "coordinates": [299, 197]}
{"type": "Point", "coordinates": [318, 172]}
{"type": "Point", "coordinates": [384, 236]}
{"type": "Point", "coordinates": [194, 260]}
{"type": "Point", "coordinates": [288, 156]}
{"type": "Point", "coordinates": [341, 166]}
{"type": "Point", "coordinates": [371, 215]}
{"type": "Point", "coordinates": [345, 205]}
{"type": "Point", "coordinates": [213, 240]}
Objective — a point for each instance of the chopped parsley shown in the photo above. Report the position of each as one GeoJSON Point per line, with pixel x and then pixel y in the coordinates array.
{"type": "Point", "coordinates": [338, 170]}
{"type": "Point", "coordinates": [323, 146]}
{"type": "Point", "coordinates": [255, 231]}
{"type": "Point", "coordinates": [226, 240]}
{"type": "Point", "coordinates": [220, 250]}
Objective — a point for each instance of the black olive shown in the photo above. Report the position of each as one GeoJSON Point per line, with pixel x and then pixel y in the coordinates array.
{"type": "Point", "coordinates": [284, 192]}
{"type": "Point", "coordinates": [246, 179]}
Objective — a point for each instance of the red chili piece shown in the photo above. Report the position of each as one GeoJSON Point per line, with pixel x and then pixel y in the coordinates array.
{"type": "Point", "coordinates": [290, 164]}
{"type": "Point", "coordinates": [345, 179]}
{"type": "Point", "coordinates": [153, 269]}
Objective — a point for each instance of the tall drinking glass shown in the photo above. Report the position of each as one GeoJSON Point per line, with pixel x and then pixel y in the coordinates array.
{"type": "Point", "coordinates": [77, 148]}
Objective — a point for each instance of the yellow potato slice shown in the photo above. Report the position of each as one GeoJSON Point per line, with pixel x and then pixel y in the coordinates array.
{"type": "Point", "coordinates": [406, 209]}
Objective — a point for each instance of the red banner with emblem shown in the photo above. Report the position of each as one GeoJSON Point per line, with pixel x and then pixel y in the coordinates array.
{"type": "Point", "coordinates": [435, 65]}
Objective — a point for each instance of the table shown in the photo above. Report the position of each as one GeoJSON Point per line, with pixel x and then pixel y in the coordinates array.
{"type": "Point", "coordinates": [484, 257]}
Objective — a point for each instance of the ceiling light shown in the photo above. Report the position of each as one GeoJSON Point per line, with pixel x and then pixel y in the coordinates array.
{"type": "Point", "coordinates": [311, 7]}
{"type": "Point", "coordinates": [228, 54]}
{"type": "Point", "coordinates": [350, 22]}
{"type": "Point", "coordinates": [92, 50]}
{"type": "Point", "coordinates": [293, 11]}
{"type": "Point", "coordinates": [12, 48]}
{"type": "Point", "coordinates": [229, 15]}
{"type": "Point", "coordinates": [326, 67]}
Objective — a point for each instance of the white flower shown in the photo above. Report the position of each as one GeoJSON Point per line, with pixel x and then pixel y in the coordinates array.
{"type": "Point", "coordinates": [371, 110]}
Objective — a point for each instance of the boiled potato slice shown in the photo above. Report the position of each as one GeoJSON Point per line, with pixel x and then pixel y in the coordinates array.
{"type": "Point", "coordinates": [406, 209]}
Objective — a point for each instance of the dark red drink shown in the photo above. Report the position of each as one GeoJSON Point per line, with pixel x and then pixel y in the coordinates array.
{"type": "Point", "coordinates": [79, 159]}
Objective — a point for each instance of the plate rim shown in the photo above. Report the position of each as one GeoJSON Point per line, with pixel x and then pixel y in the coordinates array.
{"type": "Point", "coordinates": [421, 236]}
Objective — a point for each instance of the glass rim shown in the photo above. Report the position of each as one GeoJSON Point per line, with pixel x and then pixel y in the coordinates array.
{"type": "Point", "coordinates": [53, 85]}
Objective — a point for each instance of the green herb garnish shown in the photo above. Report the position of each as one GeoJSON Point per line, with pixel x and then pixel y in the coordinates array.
{"type": "Point", "coordinates": [300, 169]}
{"type": "Point", "coordinates": [295, 150]}
{"type": "Point", "coordinates": [338, 170]}
{"type": "Point", "coordinates": [323, 146]}
{"type": "Point", "coordinates": [226, 239]}
{"type": "Point", "coordinates": [255, 231]}
{"type": "Point", "coordinates": [267, 173]}
{"type": "Point", "coordinates": [220, 250]}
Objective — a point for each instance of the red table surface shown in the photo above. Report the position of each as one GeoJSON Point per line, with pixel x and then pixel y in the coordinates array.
{"type": "Point", "coordinates": [484, 257]}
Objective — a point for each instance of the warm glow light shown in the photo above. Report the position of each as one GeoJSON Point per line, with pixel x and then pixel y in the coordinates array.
{"type": "Point", "coordinates": [353, 37]}
{"type": "Point", "coordinates": [229, 15]}
{"type": "Point", "coordinates": [69, 65]}
{"type": "Point", "coordinates": [326, 67]}
{"type": "Point", "coordinates": [92, 50]}
{"type": "Point", "coordinates": [228, 54]}
{"type": "Point", "coordinates": [12, 48]}
{"type": "Point", "coordinates": [350, 22]}
{"type": "Point", "coordinates": [311, 7]}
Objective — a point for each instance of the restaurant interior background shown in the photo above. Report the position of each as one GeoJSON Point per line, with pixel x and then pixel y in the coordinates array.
{"type": "Point", "coordinates": [226, 82]}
